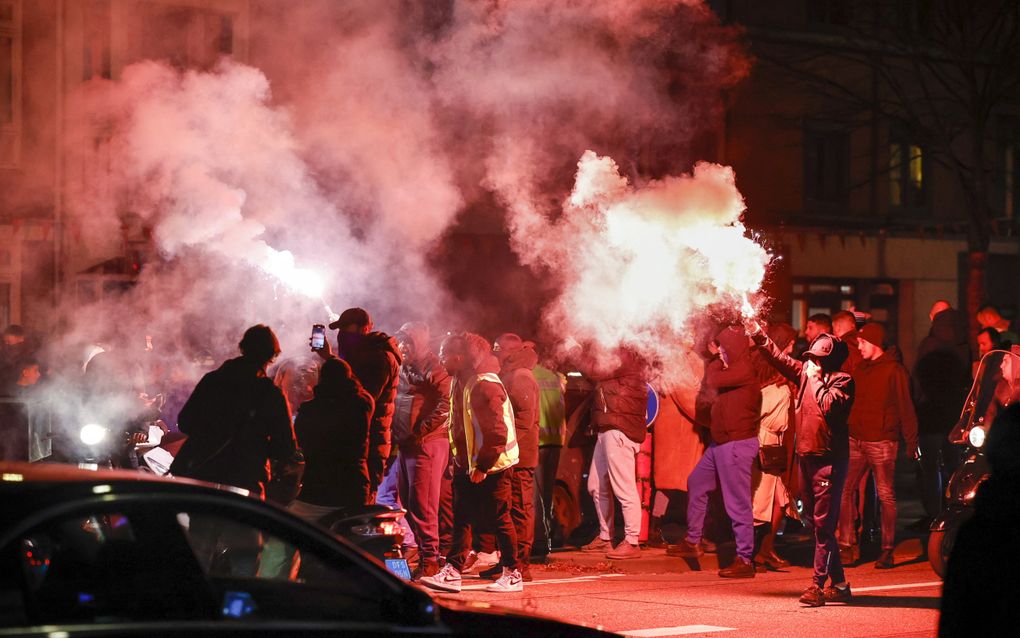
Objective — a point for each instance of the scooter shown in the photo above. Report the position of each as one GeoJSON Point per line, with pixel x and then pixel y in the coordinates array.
{"type": "Point", "coordinates": [996, 385]}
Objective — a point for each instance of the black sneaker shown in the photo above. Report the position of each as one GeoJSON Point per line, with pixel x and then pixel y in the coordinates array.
{"type": "Point", "coordinates": [813, 596]}
{"type": "Point", "coordinates": [492, 573]}
{"type": "Point", "coordinates": [834, 594]}
{"type": "Point", "coordinates": [526, 573]}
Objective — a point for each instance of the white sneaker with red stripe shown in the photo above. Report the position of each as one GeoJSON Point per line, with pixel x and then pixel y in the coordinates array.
{"type": "Point", "coordinates": [510, 581]}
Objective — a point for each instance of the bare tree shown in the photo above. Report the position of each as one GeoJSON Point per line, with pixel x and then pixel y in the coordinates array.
{"type": "Point", "coordinates": [940, 72]}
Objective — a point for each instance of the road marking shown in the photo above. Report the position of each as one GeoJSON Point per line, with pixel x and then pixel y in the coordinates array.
{"type": "Point", "coordinates": [548, 581]}
{"type": "Point", "coordinates": [933, 583]}
{"type": "Point", "coordinates": [675, 631]}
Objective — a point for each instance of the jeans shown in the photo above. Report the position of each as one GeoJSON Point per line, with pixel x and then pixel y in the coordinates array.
{"type": "Point", "coordinates": [727, 466]}
{"type": "Point", "coordinates": [614, 473]}
{"type": "Point", "coordinates": [522, 510]}
{"type": "Point", "coordinates": [490, 500]}
{"type": "Point", "coordinates": [389, 495]}
{"type": "Point", "coordinates": [880, 457]}
{"type": "Point", "coordinates": [419, 481]}
{"type": "Point", "coordinates": [545, 482]}
{"type": "Point", "coordinates": [822, 480]}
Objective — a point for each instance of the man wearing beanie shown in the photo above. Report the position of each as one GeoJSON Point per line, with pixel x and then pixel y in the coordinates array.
{"type": "Point", "coordinates": [882, 413]}
{"type": "Point", "coordinates": [516, 359]}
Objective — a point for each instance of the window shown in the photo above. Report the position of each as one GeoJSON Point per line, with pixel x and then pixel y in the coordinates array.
{"type": "Point", "coordinates": [184, 36]}
{"type": "Point", "coordinates": [813, 295]}
{"type": "Point", "coordinates": [908, 165]}
{"type": "Point", "coordinates": [10, 82]}
{"type": "Point", "coordinates": [830, 12]}
{"type": "Point", "coordinates": [1008, 174]}
{"type": "Point", "coordinates": [826, 167]}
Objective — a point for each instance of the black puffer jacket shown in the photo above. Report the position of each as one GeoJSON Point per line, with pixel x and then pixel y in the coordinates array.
{"type": "Point", "coordinates": [525, 396]}
{"type": "Point", "coordinates": [422, 409]}
{"type": "Point", "coordinates": [236, 421]}
{"type": "Point", "coordinates": [823, 402]}
{"type": "Point", "coordinates": [375, 360]}
{"type": "Point", "coordinates": [621, 400]}
{"type": "Point", "coordinates": [733, 389]}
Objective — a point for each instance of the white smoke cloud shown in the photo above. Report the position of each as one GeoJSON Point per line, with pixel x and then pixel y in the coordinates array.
{"type": "Point", "coordinates": [340, 162]}
{"type": "Point", "coordinates": [641, 264]}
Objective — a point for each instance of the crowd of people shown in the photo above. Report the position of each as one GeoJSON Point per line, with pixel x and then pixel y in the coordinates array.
{"type": "Point", "coordinates": [467, 439]}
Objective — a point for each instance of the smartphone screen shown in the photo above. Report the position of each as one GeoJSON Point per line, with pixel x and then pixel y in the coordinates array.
{"type": "Point", "coordinates": [318, 336]}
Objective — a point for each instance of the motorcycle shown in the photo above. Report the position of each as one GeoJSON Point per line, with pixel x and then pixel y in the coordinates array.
{"type": "Point", "coordinates": [996, 385]}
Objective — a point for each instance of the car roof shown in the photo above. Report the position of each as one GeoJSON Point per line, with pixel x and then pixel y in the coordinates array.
{"type": "Point", "coordinates": [28, 486]}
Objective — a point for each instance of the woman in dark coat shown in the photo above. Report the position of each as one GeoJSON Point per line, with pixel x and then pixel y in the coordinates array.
{"type": "Point", "coordinates": [332, 430]}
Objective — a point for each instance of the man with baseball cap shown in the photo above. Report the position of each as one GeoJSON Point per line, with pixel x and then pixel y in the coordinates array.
{"type": "Point", "coordinates": [881, 414]}
{"type": "Point", "coordinates": [823, 400]}
{"type": "Point", "coordinates": [375, 359]}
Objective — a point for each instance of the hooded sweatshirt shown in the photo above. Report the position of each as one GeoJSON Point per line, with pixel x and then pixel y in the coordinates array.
{"type": "Point", "coordinates": [823, 402]}
{"type": "Point", "coordinates": [423, 394]}
{"type": "Point", "coordinates": [942, 373]}
{"type": "Point", "coordinates": [521, 385]}
{"type": "Point", "coordinates": [883, 409]}
{"type": "Point", "coordinates": [733, 388]}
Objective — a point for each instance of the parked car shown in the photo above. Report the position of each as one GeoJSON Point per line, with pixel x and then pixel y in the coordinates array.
{"type": "Point", "coordinates": [125, 553]}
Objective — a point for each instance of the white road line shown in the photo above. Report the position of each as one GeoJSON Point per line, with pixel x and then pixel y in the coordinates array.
{"type": "Point", "coordinates": [547, 581]}
{"type": "Point", "coordinates": [675, 631]}
{"type": "Point", "coordinates": [933, 583]}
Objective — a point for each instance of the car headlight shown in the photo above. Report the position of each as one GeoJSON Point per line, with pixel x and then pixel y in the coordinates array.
{"type": "Point", "coordinates": [92, 434]}
{"type": "Point", "coordinates": [379, 528]}
{"type": "Point", "coordinates": [977, 436]}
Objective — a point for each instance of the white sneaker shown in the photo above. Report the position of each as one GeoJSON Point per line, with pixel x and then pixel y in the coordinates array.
{"type": "Point", "coordinates": [510, 581]}
{"type": "Point", "coordinates": [448, 579]}
{"type": "Point", "coordinates": [487, 559]}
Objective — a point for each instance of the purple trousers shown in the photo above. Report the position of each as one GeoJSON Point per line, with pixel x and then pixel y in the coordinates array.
{"type": "Point", "coordinates": [727, 466]}
{"type": "Point", "coordinates": [821, 480]}
{"type": "Point", "coordinates": [419, 482]}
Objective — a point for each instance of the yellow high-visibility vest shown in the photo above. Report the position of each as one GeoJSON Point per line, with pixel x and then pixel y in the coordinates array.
{"type": "Point", "coordinates": [473, 432]}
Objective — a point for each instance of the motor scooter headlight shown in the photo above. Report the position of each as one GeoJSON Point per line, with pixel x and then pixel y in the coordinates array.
{"type": "Point", "coordinates": [977, 435]}
{"type": "Point", "coordinates": [92, 433]}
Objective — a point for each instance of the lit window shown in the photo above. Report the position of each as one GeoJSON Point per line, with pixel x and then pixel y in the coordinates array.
{"type": "Point", "coordinates": [907, 184]}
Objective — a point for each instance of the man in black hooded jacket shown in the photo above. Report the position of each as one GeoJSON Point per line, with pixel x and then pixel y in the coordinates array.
{"type": "Point", "coordinates": [824, 398]}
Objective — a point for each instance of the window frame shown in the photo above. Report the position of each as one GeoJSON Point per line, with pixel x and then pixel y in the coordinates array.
{"type": "Point", "coordinates": [11, 132]}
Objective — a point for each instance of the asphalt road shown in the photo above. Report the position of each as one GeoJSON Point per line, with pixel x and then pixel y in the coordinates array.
{"type": "Point", "coordinates": [660, 596]}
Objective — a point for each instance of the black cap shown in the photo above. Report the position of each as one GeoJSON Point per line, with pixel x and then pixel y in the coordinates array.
{"type": "Point", "coordinates": [351, 316]}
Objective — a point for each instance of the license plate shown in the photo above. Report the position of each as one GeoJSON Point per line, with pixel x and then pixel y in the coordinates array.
{"type": "Point", "coordinates": [399, 567]}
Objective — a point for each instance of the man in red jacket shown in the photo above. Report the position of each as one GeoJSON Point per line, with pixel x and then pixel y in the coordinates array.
{"type": "Point", "coordinates": [734, 392]}
{"type": "Point", "coordinates": [881, 414]}
{"type": "Point", "coordinates": [516, 359]}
